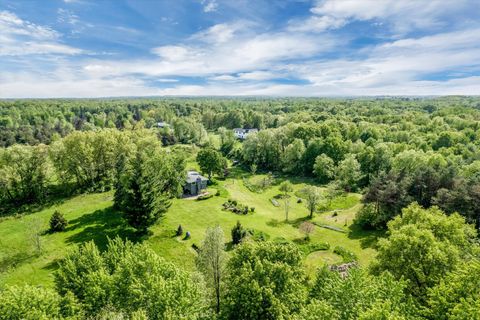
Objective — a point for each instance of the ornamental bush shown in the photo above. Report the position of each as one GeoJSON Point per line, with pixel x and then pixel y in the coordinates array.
{"type": "Point", "coordinates": [58, 222]}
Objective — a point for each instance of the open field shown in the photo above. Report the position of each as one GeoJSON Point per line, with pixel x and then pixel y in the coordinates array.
{"type": "Point", "coordinates": [91, 217]}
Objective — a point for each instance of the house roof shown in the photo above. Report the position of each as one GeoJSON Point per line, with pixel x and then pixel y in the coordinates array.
{"type": "Point", "coordinates": [241, 130]}
{"type": "Point", "coordinates": [162, 124]}
{"type": "Point", "coordinates": [192, 176]}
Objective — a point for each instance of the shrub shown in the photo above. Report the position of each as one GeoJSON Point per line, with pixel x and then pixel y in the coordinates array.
{"type": "Point", "coordinates": [280, 240]}
{"type": "Point", "coordinates": [312, 247]}
{"type": "Point", "coordinates": [179, 230]}
{"type": "Point", "coordinates": [252, 209]}
{"type": "Point", "coordinates": [238, 233]}
{"type": "Point", "coordinates": [57, 222]}
{"type": "Point", "coordinates": [367, 218]}
{"type": "Point", "coordinates": [299, 200]}
{"type": "Point", "coordinates": [217, 193]}
{"type": "Point", "coordinates": [346, 255]}
{"type": "Point", "coordinates": [259, 235]}
{"type": "Point", "coordinates": [204, 196]}
{"type": "Point", "coordinates": [307, 228]}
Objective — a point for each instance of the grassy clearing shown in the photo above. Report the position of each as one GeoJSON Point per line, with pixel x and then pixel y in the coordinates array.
{"type": "Point", "coordinates": [91, 217]}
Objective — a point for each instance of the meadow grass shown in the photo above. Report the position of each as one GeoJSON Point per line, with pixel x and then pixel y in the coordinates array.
{"type": "Point", "coordinates": [92, 217]}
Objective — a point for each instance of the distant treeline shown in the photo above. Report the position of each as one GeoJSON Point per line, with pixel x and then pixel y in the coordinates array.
{"type": "Point", "coordinates": [396, 150]}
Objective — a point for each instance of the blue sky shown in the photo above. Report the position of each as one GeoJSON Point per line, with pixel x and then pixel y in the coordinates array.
{"type": "Point", "coordinates": [87, 48]}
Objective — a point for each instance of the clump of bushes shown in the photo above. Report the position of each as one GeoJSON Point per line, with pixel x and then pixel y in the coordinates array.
{"type": "Point", "coordinates": [258, 235]}
{"type": "Point", "coordinates": [346, 255]}
{"type": "Point", "coordinates": [367, 218]}
{"type": "Point", "coordinates": [280, 240]}
{"type": "Point", "coordinates": [235, 207]}
{"type": "Point", "coordinates": [204, 196]}
{"type": "Point", "coordinates": [58, 222]}
{"type": "Point", "coordinates": [312, 247]}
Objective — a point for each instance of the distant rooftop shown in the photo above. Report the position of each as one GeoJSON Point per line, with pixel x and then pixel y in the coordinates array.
{"type": "Point", "coordinates": [245, 130]}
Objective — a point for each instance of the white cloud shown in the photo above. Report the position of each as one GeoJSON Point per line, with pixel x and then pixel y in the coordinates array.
{"type": "Point", "coordinates": [317, 24]}
{"type": "Point", "coordinates": [19, 37]}
{"type": "Point", "coordinates": [173, 53]}
{"type": "Point", "coordinates": [259, 75]}
{"type": "Point", "coordinates": [397, 63]}
{"type": "Point", "coordinates": [65, 85]}
{"type": "Point", "coordinates": [220, 33]}
{"type": "Point", "coordinates": [67, 16]}
{"type": "Point", "coordinates": [224, 77]}
{"type": "Point", "coordinates": [403, 16]}
{"type": "Point", "coordinates": [209, 5]}
{"type": "Point", "coordinates": [236, 59]}
{"type": "Point", "coordinates": [12, 25]}
{"type": "Point", "coordinates": [238, 54]}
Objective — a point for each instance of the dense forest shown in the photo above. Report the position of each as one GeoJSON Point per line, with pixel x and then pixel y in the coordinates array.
{"type": "Point", "coordinates": [416, 162]}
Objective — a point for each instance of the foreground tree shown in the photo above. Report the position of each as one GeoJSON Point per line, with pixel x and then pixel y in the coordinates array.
{"type": "Point", "coordinates": [265, 281]}
{"type": "Point", "coordinates": [423, 246]}
{"type": "Point", "coordinates": [130, 279]}
{"type": "Point", "coordinates": [34, 302]}
{"type": "Point", "coordinates": [211, 261]}
{"type": "Point", "coordinates": [146, 182]}
{"type": "Point", "coordinates": [457, 296]}
{"type": "Point", "coordinates": [359, 296]}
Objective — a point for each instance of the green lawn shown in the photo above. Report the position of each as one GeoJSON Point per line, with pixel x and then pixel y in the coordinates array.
{"type": "Point", "coordinates": [91, 217]}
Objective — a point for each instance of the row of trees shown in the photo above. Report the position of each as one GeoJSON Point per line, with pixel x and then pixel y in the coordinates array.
{"type": "Point", "coordinates": [394, 174]}
{"type": "Point", "coordinates": [144, 174]}
{"type": "Point", "coordinates": [395, 119]}
{"type": "Point", "coordinates": [426, 269]}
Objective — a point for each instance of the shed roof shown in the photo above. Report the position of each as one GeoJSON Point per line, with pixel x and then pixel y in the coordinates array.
{"type": "Point", "coordinates": [192, 176]}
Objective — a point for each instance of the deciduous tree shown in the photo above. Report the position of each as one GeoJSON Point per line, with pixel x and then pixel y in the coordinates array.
{"type": "Point", "coordinates": [211, 261]}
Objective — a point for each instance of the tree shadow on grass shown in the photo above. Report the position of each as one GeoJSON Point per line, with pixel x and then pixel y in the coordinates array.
{"type": "Point", "coordinates": [14, 260]}
{"type": "Point", "coordinates": [368, 238]}
{"type": "Point", "coordinates": [274, 223]}
{"type": "Point", "coordinates": [100, 225]}
{"type": "Point", "coordinates": [297, 222]}
{"type": "Point", "coordinates": [52, 265]}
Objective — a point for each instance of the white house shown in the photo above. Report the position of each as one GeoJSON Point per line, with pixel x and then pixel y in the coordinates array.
{"type": "Point", "coordinates": [243, 133]}
{"type": "Point", "coordinates": [162, 124]}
